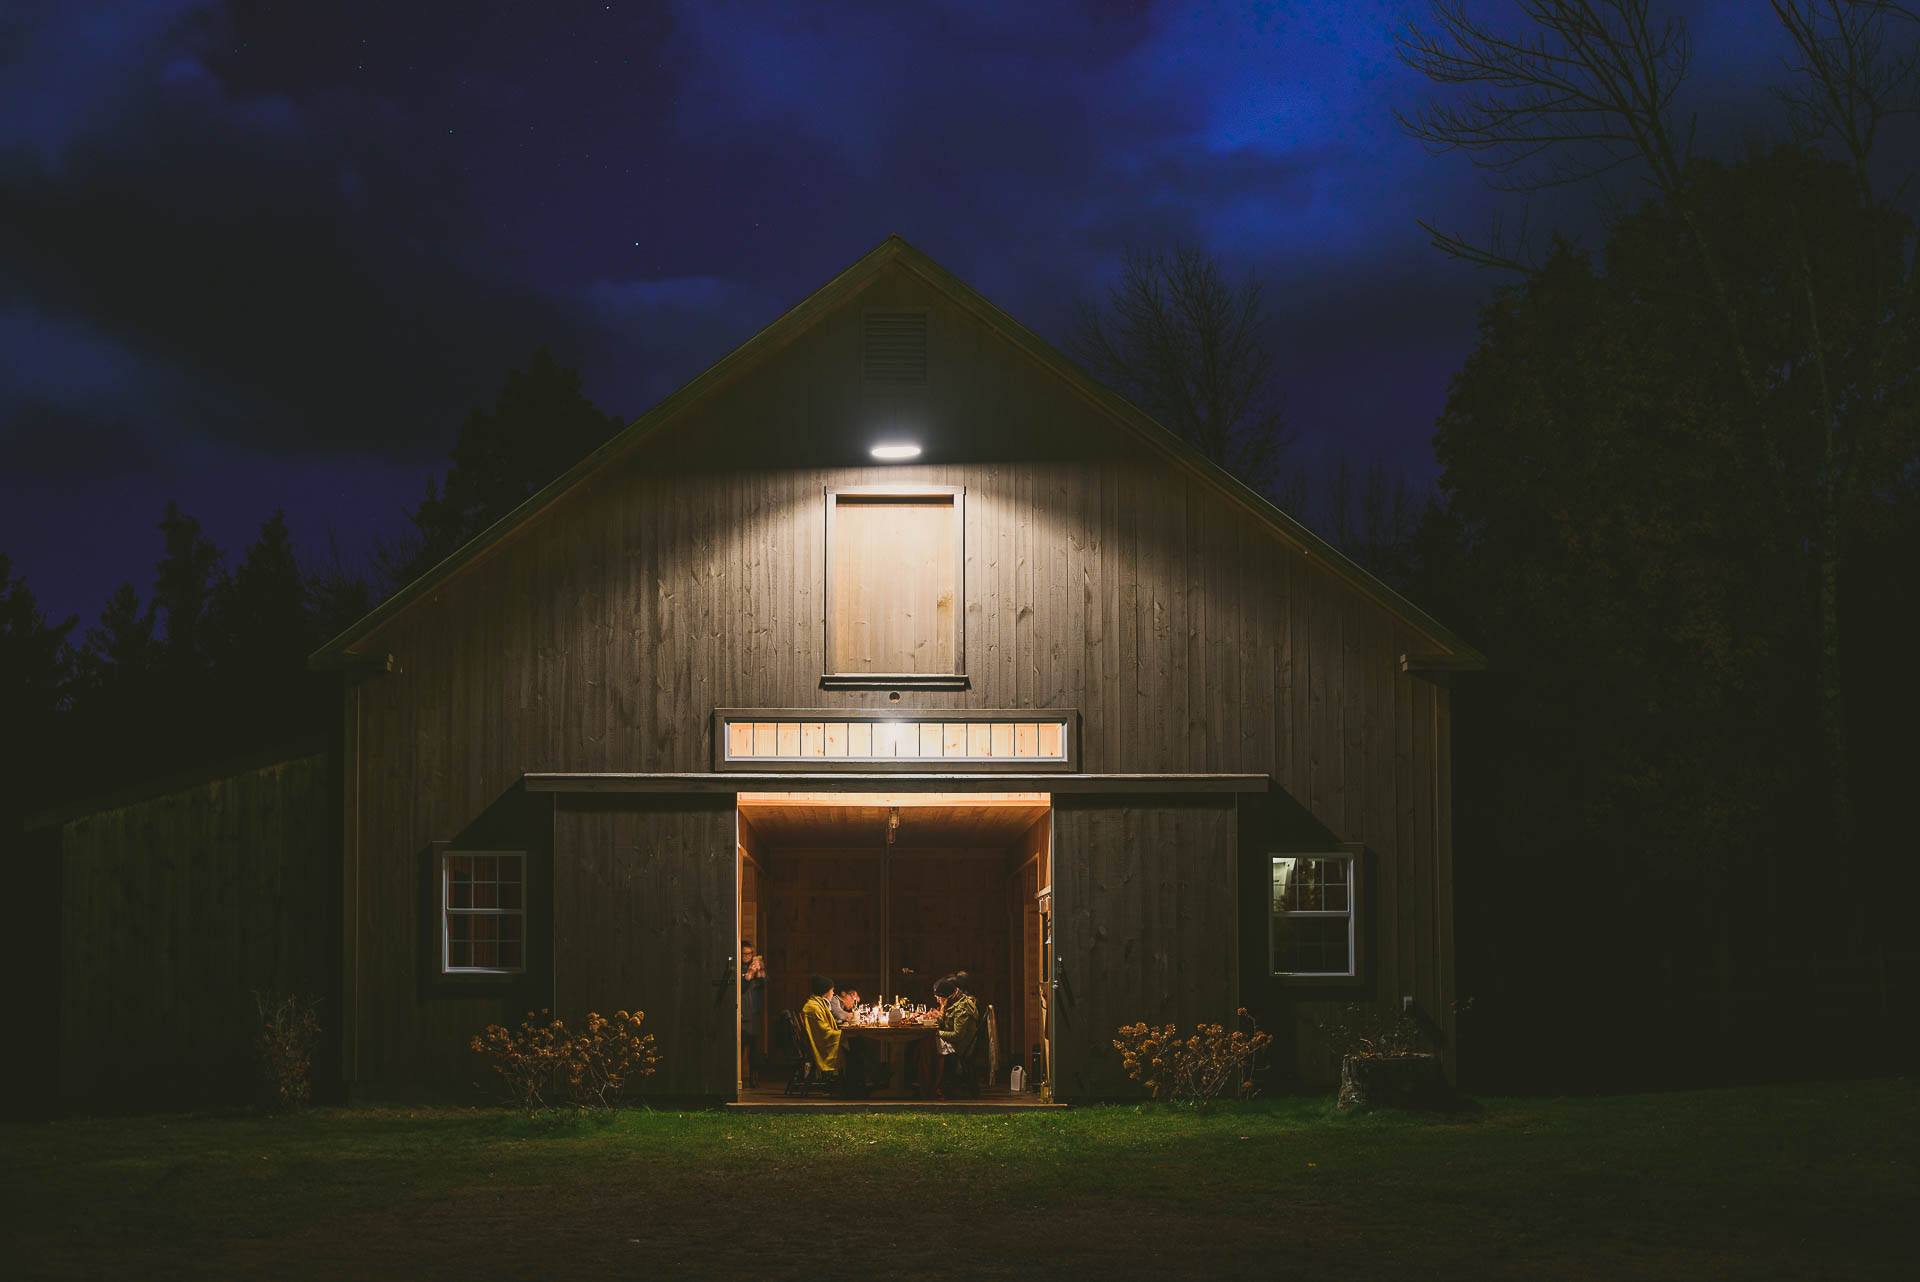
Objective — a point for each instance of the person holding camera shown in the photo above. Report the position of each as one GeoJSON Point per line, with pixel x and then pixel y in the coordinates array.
{"type": "Point", "coordinates": [753, 1000]}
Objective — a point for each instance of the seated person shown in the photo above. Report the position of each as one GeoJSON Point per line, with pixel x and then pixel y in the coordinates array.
{"type": "Point", "coordinates": [959, 1026]}
{"type": "Point", "coordinates": [858, 1056]}
{"type": "Point", "coordinates": [819, 1027]}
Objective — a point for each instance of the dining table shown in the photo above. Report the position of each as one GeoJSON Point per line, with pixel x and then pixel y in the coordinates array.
{"type": "Point", "coordinates": [886, 1037]}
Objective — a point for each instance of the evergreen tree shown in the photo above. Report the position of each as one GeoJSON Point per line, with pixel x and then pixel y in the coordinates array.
{"type": "Point", "coordinates": [1377, 520]}
{"type": "Point", "coordinates": [264, 630]}
{"type": "Point", "coordinates": [188, 582]}
{"type": "Point", "coordinates": [1804, 268]}
{"type": "Point", "coordinates": [33, 656]}
{"type": "Point", "coordinates": [541, 424]}
{"type": "Point", "coordinates": [338, 594]}
{"type": "Point", "coordinates": [35, 676]}
{"type": "Point", "coordinates": [122, 651]}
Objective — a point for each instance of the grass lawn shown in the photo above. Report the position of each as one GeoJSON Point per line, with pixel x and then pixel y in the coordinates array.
{"type": "Point", "coordinates": [1780, 1181]}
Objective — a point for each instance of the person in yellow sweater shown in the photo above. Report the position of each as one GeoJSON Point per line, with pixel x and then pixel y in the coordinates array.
{"type": "Point", "coordinates": [821, 1029]}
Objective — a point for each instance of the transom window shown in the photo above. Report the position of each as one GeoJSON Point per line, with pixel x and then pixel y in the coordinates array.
{"type": "Point", "coordinates": [967, 740]}
{"type": "Point", "coordinates": [895, 601]}
{"type": "Point", "coordinates": [483, 911]}
{"type": "Point", "coordinates": [1312, 923]}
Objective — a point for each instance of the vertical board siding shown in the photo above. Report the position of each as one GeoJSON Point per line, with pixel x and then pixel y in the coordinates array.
{"type": "Point", "coordinates": [1143, 925]}
{"type": "Point", "coordinates": [175, 911]}
{"type": "Point", "coordinates": [644, 901]}
{"type": "Point", "coordinates": [690, 575]}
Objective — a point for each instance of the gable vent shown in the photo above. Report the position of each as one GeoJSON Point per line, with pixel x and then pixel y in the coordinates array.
{"type": "Point", "coordinates": [896, 348]}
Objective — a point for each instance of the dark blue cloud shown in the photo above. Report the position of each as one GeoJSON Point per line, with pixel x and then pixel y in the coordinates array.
{"type": "Point", "coordinates": [257, 253]}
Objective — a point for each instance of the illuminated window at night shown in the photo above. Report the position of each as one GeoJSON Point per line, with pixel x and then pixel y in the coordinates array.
{"type": "Point", "coordinates": [895, 599]}
{"type": "Point", "coordinates": [1312, 915]}
{"type": "Point", "coordinates": [483, 912]}
{"type": "Point", "coordinates": [1046, 741]}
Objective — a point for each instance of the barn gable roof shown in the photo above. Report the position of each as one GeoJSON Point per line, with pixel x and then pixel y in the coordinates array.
{"type": "Point", "coordinates": [1452, 652]}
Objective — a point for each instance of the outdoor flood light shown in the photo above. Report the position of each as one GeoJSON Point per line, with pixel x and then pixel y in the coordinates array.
{"type": "Point", "coordinates": [893, 451]}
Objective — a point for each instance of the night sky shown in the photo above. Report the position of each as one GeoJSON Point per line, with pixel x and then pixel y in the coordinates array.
{"type": "Point", "coordinates": [269, 254]}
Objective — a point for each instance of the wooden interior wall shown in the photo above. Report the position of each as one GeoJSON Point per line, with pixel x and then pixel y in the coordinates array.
{"type": "Point", "coordinates": [1026, 1025]}
{"type": "Point", "coordinates": [643, 920]}
{"type": "Point", "coordinates": [1146, 924]}
{"type": "Point", "coordinates": [753, 914]}
{"type": "Point", "coordinates": [823, 917]}
{"type": "Point", "coordinates": [749, 902]}
{"type": "Point", "coordinates": [947, 913]}
{"type": "Point", "coordinates": [175, 910]}
{"type": "Point", "coordinates": [1190, 636]}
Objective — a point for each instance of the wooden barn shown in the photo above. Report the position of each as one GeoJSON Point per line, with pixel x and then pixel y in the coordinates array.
{"type": "Point", "coordinates": [894, 644]}
{"type": "Point", "coordinates": [1040, 693]}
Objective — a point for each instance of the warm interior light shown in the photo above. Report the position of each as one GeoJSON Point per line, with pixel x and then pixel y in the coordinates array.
{"type": "Point", "coordinates": [896, 450]}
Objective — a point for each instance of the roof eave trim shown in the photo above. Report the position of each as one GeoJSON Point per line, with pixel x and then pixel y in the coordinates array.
{"type": "Point", "coordinates": [719, 782]}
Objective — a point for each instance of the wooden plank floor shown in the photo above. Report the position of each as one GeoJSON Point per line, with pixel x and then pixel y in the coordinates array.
{"type": "Point", "coordinates": [770, 1097]}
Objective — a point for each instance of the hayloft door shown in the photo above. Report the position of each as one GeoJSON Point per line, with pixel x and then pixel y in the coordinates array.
{"type": "Point", "coordinates": [646, 888]}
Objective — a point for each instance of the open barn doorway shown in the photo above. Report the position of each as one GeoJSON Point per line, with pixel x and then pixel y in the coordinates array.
{"type": "Point", "coordinates": [885, 893]}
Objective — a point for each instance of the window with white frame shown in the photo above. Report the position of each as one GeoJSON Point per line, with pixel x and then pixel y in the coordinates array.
{"type": "Point", "coordinates": [483, 912]}
{"type": "Point", "coordinates": [1312, 929]}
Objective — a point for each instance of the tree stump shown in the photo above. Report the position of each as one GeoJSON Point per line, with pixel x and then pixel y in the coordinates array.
{"type": "Point", "coordinates": [1393, 1081]}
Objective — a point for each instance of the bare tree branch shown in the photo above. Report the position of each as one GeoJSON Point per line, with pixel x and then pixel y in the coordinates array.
{"type": "Point", "coordinates": [1589, 89]}
{"type": "Point", "coordinates": [1593, 79]}
{"type": "Point", "coordinates": [1846, 85]}
{"type": "Point", "coordinates": [1186, 344]}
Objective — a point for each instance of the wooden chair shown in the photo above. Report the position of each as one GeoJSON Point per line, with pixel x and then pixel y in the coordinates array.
{"type": "Point", "coordinates": [993, 1045]}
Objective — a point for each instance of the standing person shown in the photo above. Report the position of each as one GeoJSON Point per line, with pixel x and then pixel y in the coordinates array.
{"type": "Point", "coordinates": [753, 1000]}
{"type": "Point", "coordinates": [959, 1021]}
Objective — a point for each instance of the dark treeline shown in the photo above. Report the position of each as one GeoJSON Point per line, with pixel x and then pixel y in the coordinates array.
{"type": "Point", "coordinates": [208, 661]}
{"type": "Point", "coordinates": [1666, 869]}
{"type": "Point", "coordinates": [1679, 482]}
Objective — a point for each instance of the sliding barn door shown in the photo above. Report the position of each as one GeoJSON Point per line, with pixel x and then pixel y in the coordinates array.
{"type": "Point", "coordinates": [1145, 925]}
{"type": "Point", "coordinates": [645, 889]}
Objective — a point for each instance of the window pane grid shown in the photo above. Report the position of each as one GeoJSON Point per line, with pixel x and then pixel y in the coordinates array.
{"type": "Point", "coordinates": [483, 912]}
{"type": "Point", "coordinates": [1311, 922]}
{"type": "Point", "coordinates": [915, 740]}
